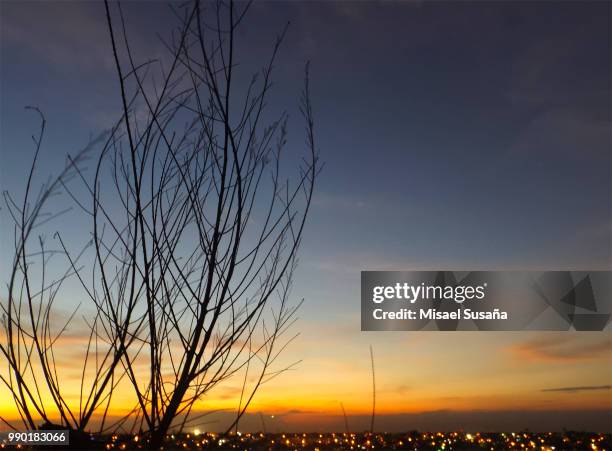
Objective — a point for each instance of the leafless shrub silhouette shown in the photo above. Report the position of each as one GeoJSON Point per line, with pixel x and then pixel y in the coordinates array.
{"type": "Point", "coordinates": [30, 331]}
{"type": "Point", "coordinates": [373, 391]}
{"type": "Point", "coordinates": [195, 230]}
{"type": "Point", "coordinates": [346, 424]}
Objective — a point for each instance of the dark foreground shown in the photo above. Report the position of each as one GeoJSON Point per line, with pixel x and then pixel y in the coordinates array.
{"type": "Point", "coordinates": [342, 441]}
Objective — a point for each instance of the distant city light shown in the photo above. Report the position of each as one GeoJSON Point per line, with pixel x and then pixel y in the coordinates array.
{"type": "Point", "coordinates": [337, 441]}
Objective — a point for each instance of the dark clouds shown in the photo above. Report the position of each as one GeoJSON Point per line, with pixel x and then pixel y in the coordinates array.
{"type": "Point", "coordinates": [578, 389]}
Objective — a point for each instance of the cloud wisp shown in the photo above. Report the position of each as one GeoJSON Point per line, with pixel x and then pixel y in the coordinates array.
{"type": "Point", "coordinates": [564, 349]}
{"type": "Point", "coordinates": [578, 389]}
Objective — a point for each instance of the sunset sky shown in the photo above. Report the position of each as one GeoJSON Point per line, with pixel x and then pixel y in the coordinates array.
{"type": "Point", "coordinates": [454, 135]}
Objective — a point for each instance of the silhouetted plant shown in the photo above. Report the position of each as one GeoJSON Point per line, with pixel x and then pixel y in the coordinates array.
{"type": "Point", "coordinates": [194, 238]}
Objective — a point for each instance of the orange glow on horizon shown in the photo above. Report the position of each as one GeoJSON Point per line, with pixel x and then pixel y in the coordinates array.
{"type": "Point", "coordinates": [432, 372]}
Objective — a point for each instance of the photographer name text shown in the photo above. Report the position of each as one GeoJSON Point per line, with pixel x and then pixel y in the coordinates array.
{"type": "Point", "coordinates": [414, 293]}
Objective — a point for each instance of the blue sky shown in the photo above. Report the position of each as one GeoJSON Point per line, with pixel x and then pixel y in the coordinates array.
{"type": "Point", "coordinates": [454, 135]}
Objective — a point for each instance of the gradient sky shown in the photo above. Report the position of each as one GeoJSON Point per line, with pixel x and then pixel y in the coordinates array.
{"type": "Point", "coordinates": [455, 136]}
